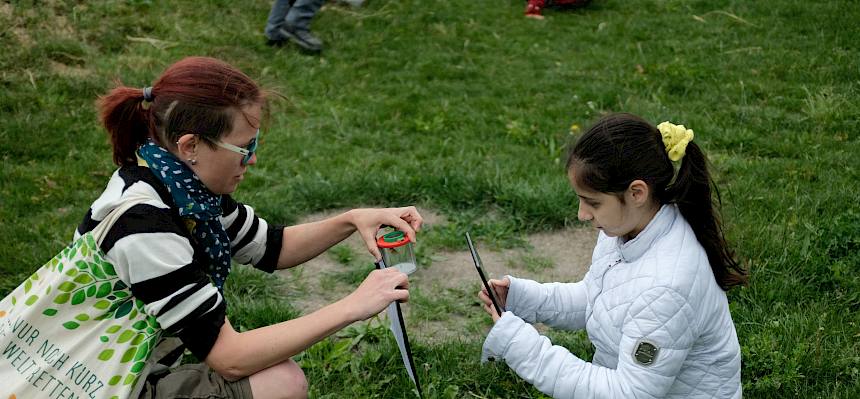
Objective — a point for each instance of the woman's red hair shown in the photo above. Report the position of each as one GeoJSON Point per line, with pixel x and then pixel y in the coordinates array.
{"type": "Point", "coordinates": [195, 94]}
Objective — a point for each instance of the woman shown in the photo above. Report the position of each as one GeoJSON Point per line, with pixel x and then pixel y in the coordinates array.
{"type": "Point", "coordinates": [653, 300]}
{"type": "Point", "coordinates": [185, 143]}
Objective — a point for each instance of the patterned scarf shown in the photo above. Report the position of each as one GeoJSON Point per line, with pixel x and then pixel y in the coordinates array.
{"type": "Point", "coordinates": [195, 202]}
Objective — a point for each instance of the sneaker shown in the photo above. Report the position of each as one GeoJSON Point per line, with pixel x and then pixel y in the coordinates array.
{"type": "Point", "coordinates": [275, 42]}
{"type": "Point", "coordinates": [304, 39]}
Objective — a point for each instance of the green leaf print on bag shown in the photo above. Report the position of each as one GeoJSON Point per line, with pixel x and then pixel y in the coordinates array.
{"type": "Point", "coordinates": [123, 309]}
{"type": "Point", "coordinates": [138, 367]}
{"type": "Point", "coordinates": [93, 292]}
{"type": "Point", "coordinates": [104, 290]}
{"type": "Point", "coordinates": [142, 351]}
{"type": "Point", "coordinates": [67, 286]}
{"type": "Point", "coordinates": [108, 269]}
{"type": "Point", "coordinates": [106, 355]}
{"type": "Point", "coordinates": [83, 278]}
{"type": "Point", "coordinates": [78, 297]}
{"type": "Point", "coordinates": [129, 354]}
{"type": "Point", "coordinates": [62, 298]}
{"type": "Point", "coordinates": [28, 284]}
{"type": "Point", "coordinates": [125, 336]}
{"type": "Point", "coordinates": [96, 270]}
{"type": "Point", "coordinates": [91, 278]}
{"type": "Point", "coordinates": [102, 304]}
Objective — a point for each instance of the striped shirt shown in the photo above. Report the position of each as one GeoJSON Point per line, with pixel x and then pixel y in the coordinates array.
{"type": "Point", "coordinates": [154, 253]}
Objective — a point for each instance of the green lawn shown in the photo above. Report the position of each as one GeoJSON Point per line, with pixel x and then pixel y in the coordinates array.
{"type": "Point", "coordinates": [464, 107]}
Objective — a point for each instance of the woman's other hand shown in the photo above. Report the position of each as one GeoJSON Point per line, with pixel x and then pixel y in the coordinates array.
{"type": "Point", "coordinates": [500, 288]}
{"type": "Point", "coordinates": [380, 288]}
{"type": "Point", "coordinates": [369, 221]}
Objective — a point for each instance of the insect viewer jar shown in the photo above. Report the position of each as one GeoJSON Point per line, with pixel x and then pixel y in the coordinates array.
{"type": "Point", "coordinates": [397, 251]}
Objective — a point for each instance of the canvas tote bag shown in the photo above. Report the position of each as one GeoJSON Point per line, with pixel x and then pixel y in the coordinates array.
{"type": "Point", "coordinates": [73, 329]}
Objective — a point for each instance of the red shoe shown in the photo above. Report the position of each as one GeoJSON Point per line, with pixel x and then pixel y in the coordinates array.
{"type": "Point", "coordinates": [534, 8]}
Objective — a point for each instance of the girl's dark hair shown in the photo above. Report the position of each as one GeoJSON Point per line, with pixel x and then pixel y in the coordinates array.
{"type": "Point", "coordinates": [197, 95]}
{"type": "Point", "coordinates": [621, 148]}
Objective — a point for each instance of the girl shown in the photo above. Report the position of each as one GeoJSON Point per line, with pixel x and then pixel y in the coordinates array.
{"type": "Point", "coordinates": [186, 143]}
{"type": "Point", "coordinates": [653, 301]}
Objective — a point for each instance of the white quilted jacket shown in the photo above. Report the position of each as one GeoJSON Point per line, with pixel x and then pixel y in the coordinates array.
{"type": "Point", "coordinates": [659, 322]}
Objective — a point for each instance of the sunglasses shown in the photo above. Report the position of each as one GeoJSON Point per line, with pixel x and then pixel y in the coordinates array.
{"type": "Point", "coordinates": [248, 151]}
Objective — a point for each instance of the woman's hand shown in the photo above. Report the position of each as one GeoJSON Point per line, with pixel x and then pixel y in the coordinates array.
{"type": "Point", "coordinates": [236, 355]}
{"type": "Point", "coordinates": [379, 289]}
{"type": "Point", "coordinates": [369, 221]}
{"type": "Point", "coordinates": [500, 288]}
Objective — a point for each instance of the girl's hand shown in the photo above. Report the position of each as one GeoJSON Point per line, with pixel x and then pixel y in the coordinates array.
{"type": "Point", "coordinates": [500, 288]}
{"type": "Point", "coordinates": [380, 288]}
{"type": "Point", "coordinates": [369, 221]}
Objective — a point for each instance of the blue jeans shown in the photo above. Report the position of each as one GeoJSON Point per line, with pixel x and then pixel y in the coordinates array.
{"type": "Point", "coordinates": [292, 15]}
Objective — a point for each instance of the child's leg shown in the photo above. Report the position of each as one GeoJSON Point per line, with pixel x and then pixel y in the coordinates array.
{"type": "Point", "coordinates": [281, 381]}
{"type": "Point", "coordinates": [276, 19]}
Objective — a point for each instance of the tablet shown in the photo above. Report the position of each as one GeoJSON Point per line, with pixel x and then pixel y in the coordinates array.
{"type": "Point", "coordinates": [477, 260]}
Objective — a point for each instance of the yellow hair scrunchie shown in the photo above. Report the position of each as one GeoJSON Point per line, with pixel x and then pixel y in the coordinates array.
{"type": "Point", "coordinates": [675, 138]}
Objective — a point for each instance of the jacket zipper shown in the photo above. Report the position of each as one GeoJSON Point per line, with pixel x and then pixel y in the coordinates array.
{"type": "Point", "coordinates": [603, 276]}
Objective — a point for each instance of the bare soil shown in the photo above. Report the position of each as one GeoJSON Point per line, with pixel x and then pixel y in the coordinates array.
{"type": "Point", "coordinates": [560, 255]}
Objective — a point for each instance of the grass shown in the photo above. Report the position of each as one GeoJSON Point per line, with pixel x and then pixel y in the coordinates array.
{"type": "Point", "coordinates": [465, 107]}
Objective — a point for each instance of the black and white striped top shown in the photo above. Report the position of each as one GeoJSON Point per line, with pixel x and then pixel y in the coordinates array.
{"type": "Point", "coordinates": [153, 251]}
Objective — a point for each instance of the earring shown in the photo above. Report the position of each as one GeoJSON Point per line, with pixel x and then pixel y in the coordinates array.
{"type": "Point", "coordinates": [192, 161]}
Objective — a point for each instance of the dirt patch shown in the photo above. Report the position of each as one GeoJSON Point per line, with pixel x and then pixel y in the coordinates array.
{"type": "Point", "coordinates": [561, 255]}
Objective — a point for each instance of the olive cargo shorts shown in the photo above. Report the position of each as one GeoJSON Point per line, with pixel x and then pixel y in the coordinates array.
{"type": "Point", "coordinates": [189, 381]}
{"type": "Point", "coordinates": [193, 381]}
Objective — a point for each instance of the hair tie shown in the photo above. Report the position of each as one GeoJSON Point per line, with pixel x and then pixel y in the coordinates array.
{"type": "Point", "coordinates": [147, 93]}
{"type": "Point", "coordinates": [675, 139]}
{"type": "Point", "coordinates": [147, 97]}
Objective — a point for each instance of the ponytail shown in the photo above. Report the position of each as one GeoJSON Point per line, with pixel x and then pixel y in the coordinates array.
{"type": "Point", "coordinates": [691, 191]}
{"type": "Point", "coordinates": [127, 120]}
{"type": "Point", "coordinates": [621, 148]}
